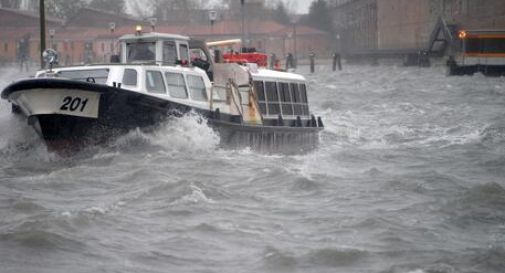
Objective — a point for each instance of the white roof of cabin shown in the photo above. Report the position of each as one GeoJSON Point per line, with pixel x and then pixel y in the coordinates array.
{"type": "Point", "coordinates": [267, 74]}
{"type": "Point", "coordinates": [154, 36]}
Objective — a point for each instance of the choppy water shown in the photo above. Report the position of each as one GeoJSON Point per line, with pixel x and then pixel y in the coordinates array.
{"type": "Point", "coordinates": [409, 178]}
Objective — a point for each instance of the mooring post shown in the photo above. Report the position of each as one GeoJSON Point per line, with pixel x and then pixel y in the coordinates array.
{"type": "Point", "coordinates": [311, 56]}
{"type": "Point", "coordinates": [337, 62]}
{"type": "Point", "coordinates": [273, 58]}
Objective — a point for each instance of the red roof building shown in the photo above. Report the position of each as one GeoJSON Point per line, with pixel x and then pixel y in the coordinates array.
{"type": "Point", "coordinates": [89, 38]}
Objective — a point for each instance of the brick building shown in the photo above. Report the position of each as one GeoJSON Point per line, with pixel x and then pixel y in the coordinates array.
{"type": "Point", "coordinates": [20, 26]}
{"type": "Point", "coordinates": [88, 37]}
{"type": "Point", "coordinates": [388, 26]}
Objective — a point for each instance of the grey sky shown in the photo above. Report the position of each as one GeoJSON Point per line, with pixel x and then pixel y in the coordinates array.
{"type": "Point", "coordinates": [302, 5]}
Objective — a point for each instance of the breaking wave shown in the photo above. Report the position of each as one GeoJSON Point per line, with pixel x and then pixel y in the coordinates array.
{"type": "Point", "coordinates": [187, 134]}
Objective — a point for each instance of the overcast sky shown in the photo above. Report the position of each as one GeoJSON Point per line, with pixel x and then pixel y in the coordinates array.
{"type": "Point", "coordinates": [302, 5]}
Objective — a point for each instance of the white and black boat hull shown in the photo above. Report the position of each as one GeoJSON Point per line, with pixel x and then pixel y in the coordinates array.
{"type": "Point", "coordinates": [69, 114]}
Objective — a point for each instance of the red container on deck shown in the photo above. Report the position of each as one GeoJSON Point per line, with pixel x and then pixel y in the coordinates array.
{"type": "Point", "coordinates": [258, 58]}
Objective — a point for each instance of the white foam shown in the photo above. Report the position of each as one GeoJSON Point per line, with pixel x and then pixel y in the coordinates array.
{"type": "Point", "coordinates": [196, 196]}
{"type": "Point", "coordinates": [189, 133]}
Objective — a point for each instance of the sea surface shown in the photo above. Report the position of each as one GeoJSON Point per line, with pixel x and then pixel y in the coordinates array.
{"type": "Point", "coordinates": [409, 177]}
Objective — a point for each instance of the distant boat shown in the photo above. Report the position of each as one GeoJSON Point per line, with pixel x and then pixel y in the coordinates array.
{"type": "Point", "coordinates": [161, 75]}
{"type": "Point", "coordinates": [478, 51]}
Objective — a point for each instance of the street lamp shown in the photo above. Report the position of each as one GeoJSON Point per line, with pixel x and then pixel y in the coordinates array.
{"type": "Point", "coordinates": [112, 27]}
{"type": "Point", "coordinates": [153, 22]}
{"type": "Point", "coordinates": [243, 19]}
{"type": "Point", "coordinates": [293, 21]}
{"type": "Point", "coordinates": [42, 16]}
{"type": "Point", "coordinates": [212, 19]}
{"type": "Point", "coordinates": [52, 32]}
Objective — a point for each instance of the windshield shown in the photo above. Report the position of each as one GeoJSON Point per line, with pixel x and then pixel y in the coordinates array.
{"type": "Point", "coordinates": [485, 45]}
{"type": "Point", "coordinates": [89, 75]}
{"type": "Point", "coordinates": [141, 51]}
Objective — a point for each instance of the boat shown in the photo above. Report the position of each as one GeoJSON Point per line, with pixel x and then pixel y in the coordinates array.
{"type": "Point", "coordinates": [478, 51]}
{"type": "Point", "coordinates": [157, 76]}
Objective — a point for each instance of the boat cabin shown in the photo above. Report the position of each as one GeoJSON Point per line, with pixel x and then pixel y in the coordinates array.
{"type": "Point", "coordinates": [159, 48]}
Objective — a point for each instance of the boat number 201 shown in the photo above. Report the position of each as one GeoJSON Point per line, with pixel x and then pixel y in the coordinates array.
{"type": "Point", "coordinates": [73, 104]}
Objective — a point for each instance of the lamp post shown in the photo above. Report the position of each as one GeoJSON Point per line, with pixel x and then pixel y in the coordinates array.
{"type": "Point", "coordinates": [42, 32]}
{"type": "Point", "coordinates": [293, 21]}
{"type": "Point", "coordinates": [153, 22]}
{"type": "Point", "coordinates": [52, 32]}
{"type": "Point", "coordinates": [112, 27]}
{"type": "Point", "coordinates": [243, 19]}
{"type": "Point", "coordinates": [212, 19]}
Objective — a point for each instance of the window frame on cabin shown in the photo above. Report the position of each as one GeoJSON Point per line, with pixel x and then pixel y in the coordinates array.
{"type": "Point", "coordinates": [149, 88]}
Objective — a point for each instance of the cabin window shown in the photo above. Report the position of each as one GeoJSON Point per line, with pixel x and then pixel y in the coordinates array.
{"type": "Point", "coordinates": [169, 52]}
{"type": "Point", "coordinates": [219, 93]}
{"type": "Point", "coordinates": [493, 45]}
{"type": "Point", "coordinates": [197, 88]}
{"type": "Point", "coordinates": [285, 94]}
{"type": "Point", "coordinates": [272, 98]}
{"type": "Point", "coordinates": [303, 97]}
{"type": "Point", "coordinates": [483, 45]}
{"type": "Point", "coordinates": [260, 90]}
{"type": "Point", "coordinates": [197, 53]}
{"type": "Point", "coordinates": [297, 106]}
{"type": "Point", "coordinates": [130, 77]}
{"type": "Point", "coordinates": [183, 48]}
{"type": "Point", "coordinates": [296, 93]}
{"type": "Point", "coordinates": [271, 90]}
{"type": "Point", "coordinates": [303, 93]}
{"type": "Point", "coordinates": [91, 75]}
{"type": "Point", "coordinates": [176, 85]}
{"type": "Point", "coordinates": [154, 82]}
{"type": "Point", "coordinates": [140, 51]}
{"type": "Point", "coordinates": [260, 93]}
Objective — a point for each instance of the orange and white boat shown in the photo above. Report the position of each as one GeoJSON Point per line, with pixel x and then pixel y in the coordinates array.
{"type": "Point", "coordinates": [478, 51]}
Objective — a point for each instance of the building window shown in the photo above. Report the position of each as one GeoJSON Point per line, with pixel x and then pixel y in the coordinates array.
{"type": "Point", "coordinates": [176, 85]}
{"type": "Point", "coordinates": [154, 82]}
{"type": "Point", "coordinates": [103, 47]}
{"type": "Point", "coordinates": [130, 77]}
{"type": "Point", "coordinates": [6, 47]}
{"type": "Point", "coordinates": [197, 88]}
{"type": "Point", "coordinates": [72, 45]}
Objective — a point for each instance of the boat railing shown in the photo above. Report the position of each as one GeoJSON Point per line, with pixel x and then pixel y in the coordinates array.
{"type": "Point", "coordinates": [235, 96]}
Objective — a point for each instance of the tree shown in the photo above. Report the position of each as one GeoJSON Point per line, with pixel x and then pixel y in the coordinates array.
{"type": "Point", "coordinates": [320, 17]}
{"type": "Point", "coordinates": [114, 6]}
{"type": "Point", "coordinates": [64, 8]}
{"type": "Point", "coordinates": [163, 8]}
{"type": "Point", "coordinates": [280, 14]}
{"type": "Point", "coordinates": [12, 4]}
